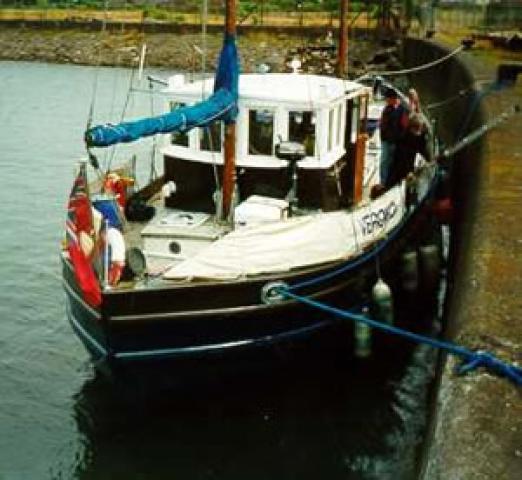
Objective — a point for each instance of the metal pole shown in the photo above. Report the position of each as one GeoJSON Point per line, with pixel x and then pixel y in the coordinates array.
{"type": "Point", "coordinates": [204, 20]}
{"type": "Point", "coordinates": [106, 256]}
{"type": "Point", "coordinates": [479, 132]}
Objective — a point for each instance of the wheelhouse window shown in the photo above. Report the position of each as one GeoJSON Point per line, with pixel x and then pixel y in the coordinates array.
{"type": "Point", "coordinates": [339, 124]}
{"type": "Point", "coordinates": [210, 138]}
{"type": "Point", "coordinates": [363, 113]}
{"type": "Point", "coordinates": [330, 128]}
{"type": "Point", "coordinates": [355, 120]}
{"type": "Point", "coordinates": [301, 128]}
{"type": "Point", "coordinates": [260, 132]}
{"type": "Point", "coordinates": [178, 138]}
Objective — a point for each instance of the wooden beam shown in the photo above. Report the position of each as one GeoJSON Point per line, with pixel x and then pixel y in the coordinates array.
{"type": "Point", "coordinates": [342, 50]}
{"type": "Point", "coordinates": [229, 168]}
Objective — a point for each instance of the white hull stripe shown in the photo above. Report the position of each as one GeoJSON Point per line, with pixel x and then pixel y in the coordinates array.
{"type": "Point", "coordinates": [219, 346]}
{"type": "Point", "coordinates": [84, 333]}
{"type": "Point", "coordinates": [184, 350]}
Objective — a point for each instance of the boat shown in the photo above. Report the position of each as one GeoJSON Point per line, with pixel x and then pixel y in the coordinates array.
{"type": "Point", "coordinates": [269, 183]}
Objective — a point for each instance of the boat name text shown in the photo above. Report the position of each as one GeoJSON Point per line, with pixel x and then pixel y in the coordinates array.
{"type": "Point", "coordinates": [378, 219]}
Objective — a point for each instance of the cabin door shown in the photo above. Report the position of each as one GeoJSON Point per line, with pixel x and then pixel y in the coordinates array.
{"type": "Point", "coordinates": [355, 144]}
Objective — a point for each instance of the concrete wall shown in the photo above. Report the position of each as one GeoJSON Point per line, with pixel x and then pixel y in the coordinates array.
{"type": "Point", "coordinates": [476, 428]}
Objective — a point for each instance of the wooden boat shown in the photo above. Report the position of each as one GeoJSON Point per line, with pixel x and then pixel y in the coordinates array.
{"type": "Point", "coordinates": [290, 203]}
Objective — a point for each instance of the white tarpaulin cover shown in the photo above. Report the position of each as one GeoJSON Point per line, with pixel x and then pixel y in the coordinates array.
{"type": "Point", "coordinates": [295, 242]}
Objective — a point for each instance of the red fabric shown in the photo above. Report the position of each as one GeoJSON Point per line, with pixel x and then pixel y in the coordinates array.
{"type": "Point", "coordinates": [120, 189]}
{"type": "Point", "coordinates": [443, 210]}
{"type": "Point", "coordinates": [405, 120]}
{"type": "Point", "coordinates": [115, 271]}
{"type": "Point", "coordinates": [118, 186]}
{"type": "Point", "coordinates": [83, 214]}
{"type": "Point", "coordinates": [79, 219]}
{"type": "Point", "coordinates": [85, 276]}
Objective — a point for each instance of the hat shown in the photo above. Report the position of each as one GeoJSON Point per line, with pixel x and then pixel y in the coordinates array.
{"type": "Point", "coordinates": [390, 93]}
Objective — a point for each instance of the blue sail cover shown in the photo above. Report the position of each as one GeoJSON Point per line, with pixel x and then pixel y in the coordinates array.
{"type": "Point", "coordinates": [222, 105]}
{"type": "Point", "coordinates": [227, 75]}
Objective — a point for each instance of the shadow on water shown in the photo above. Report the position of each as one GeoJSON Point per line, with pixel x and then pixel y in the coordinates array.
{"type": "Point", "coordinates": [319, 414]}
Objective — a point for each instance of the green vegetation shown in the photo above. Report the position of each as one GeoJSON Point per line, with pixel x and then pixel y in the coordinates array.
{"type": "Point", "coordinates": [191, 6]}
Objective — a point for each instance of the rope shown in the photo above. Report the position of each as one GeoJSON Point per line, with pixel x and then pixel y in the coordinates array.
{"type": "Point", "coordinates": [374, 252]}
{"type": "Point", "coordinates": [92, 158]}
{"type": "Point", "coordinates": [460, 94]}
{"type": "Point", "coordinates": [97, 70]}
{"type": "Point", "coordinates": [351, 265]}
{"type": "Point", "coordinates": [391, 73]}
{"type": "Point", "coordinates": [471, 359]}
{"type": "Point", "coordinates": [123, 113]}
{"type": "Point", "coordinates": [107, 160]}
{"type": "Point", "coordinates": [153, 174]}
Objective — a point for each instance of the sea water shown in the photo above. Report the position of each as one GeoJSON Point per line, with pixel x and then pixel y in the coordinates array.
{"type": "Point", "coordinates": [59, 420]}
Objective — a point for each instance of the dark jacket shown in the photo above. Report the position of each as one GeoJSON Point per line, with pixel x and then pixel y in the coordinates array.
{"type": "Point", "coordinates": [407, 148]}
{"type": "Point", "coordinates": [394, 120]}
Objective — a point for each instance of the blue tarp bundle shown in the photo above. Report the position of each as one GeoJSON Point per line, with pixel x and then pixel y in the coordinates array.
{"type": "Point", "coordinates": [222, 105]}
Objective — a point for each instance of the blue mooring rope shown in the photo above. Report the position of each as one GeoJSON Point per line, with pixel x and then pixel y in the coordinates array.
{"type": "Point", "coordinates": [371, 254]}
{"type": "Point", "coordinates": [355, 263]}
{"type": "Point", "coordinates": [471, 359]}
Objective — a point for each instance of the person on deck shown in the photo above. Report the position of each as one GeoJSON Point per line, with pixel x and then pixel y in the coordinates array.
{"type": "Point", "coordinates": [413, 101]}
{"type": "Point", "coordinates": [393, 125]}
{"type": "Point", "coordinates": [414, 141]}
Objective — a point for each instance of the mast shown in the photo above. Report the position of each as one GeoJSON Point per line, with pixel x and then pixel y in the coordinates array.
{"type": "Point", "coordinates": [204, 21]}
{"type": "Point", "coordinates": [229, 168]}
{"type": "Point", "coordinates": [342, 51]}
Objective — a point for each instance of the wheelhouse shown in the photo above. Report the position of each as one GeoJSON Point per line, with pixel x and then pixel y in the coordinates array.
{"type": "Point", "coordinates": [326, 115]}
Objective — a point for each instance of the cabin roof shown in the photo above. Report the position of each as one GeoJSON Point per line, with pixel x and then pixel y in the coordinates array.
{"type": "Point", "coordinates": [276, 87]}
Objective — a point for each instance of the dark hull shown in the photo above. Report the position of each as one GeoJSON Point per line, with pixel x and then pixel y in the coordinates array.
{"type": "Point", "coordinates": [197, 320]}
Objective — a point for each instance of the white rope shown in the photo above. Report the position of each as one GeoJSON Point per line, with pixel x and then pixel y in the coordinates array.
{"type": "Point", "coordinates": [405, 71]}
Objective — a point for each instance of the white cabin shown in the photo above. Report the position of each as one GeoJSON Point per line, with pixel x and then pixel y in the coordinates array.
{"type": "Point", "coordinates": [327, 115]}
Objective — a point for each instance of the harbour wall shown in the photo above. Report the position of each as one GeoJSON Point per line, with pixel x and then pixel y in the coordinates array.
{"type": "Point", "coordinates": [476, 426]}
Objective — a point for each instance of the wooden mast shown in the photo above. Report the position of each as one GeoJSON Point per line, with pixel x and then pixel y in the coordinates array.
{"type": "Point", "coordinates": [229, 168]}
{"type": "Point", "coordinates": [342, 51]}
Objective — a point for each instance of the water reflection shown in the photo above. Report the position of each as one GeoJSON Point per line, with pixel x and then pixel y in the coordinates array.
{"type": "Point", "coordinates": [319, 416]}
